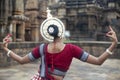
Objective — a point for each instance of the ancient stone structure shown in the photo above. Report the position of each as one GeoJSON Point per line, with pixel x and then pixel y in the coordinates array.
{"type": "Point", "coordinates": [4, 7]}
{"type": "Point", "coordinates": [83, 18]}
{"type": "Point", "coordinates": [32, 27]}
{"type": "Point", "coordinates": [13, 19]}
{"type": "Point", "coordinates": [36, 11]}
{"type": "Point", "coordinates": [86, 17]}
{"type": "Point", "coordinates": [18, 19]}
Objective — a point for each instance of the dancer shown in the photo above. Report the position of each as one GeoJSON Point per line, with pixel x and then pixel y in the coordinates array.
{"type": "Point", "coordinates": [58, 55]}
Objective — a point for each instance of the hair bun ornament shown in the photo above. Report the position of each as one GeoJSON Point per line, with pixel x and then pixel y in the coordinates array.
{"type": "Point", "coordinates": [53, 30]}
{"type": "Point", "coordinates": [46, 30]}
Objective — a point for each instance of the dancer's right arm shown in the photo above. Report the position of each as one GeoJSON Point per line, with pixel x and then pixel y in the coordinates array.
{"type": "Point", "coordinates": [21, 60]}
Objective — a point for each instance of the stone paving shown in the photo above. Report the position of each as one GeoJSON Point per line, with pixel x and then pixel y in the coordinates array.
{"type": "Point", "coordinates": [110, 70]}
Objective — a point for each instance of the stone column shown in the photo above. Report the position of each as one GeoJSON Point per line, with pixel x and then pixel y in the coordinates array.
{"type": "Point", "coordinates": [5, 11]}
{"type": "Point", "coordinates": [18, 18]}
{"type": "Point", "coordinates": [32, 11]}
{"type": "Point", "coordinates": [43, 8]}
{"type": "Point", "coordinates": [4, 14]}
{"type": "Point", "coordinates": [22, 31]}
{"type": "Point", "coordinates": [14, 30]}
{"type": "Point", "coordinates": [19, 7]}
{"type": "Point", "coordinates": [35, 34]}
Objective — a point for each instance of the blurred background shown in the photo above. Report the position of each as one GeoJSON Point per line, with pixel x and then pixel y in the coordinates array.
{"type": "Point", "coordinates": [86, 23]}
{"type": "Point", "coordinates": [84, 19]}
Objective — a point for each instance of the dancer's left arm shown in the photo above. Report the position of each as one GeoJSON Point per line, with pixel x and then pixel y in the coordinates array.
{"type": "Point", "coordinates": [100, 60]}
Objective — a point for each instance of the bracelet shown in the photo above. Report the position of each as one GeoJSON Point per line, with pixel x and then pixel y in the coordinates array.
{"type": "Point", "coordinates": [109, 52]}
{"type": "Point", "coordinates": [8, 54]}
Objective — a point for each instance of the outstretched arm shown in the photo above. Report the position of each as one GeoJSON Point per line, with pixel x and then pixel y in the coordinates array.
{"type": "Point", "coordinates": [100, 60]}
{"type": "Point", "coordinates": [21, 60]}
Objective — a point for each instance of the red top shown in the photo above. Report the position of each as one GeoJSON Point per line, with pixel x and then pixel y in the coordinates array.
{"type": "Point", "coordinates": [63, 59]}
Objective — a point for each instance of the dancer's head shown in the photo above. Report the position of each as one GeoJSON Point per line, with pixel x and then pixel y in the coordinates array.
{"type": "Point", "coordinates": [53, 31]}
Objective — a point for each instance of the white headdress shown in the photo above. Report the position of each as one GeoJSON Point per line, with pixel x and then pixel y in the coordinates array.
{"type": "Point", "coordinates": [51, 21]}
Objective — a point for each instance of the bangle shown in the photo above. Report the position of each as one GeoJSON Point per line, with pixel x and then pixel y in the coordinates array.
{"type": "Point", "coordinates": [8, 53]}
{"type": "Point", "coordinates": [109, 52]}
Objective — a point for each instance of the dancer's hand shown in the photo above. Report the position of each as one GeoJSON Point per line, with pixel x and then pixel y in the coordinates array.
{"type": "Point", "coordinates": [112, 35]}
{"type": "Point", "coordinates": [6, 40]}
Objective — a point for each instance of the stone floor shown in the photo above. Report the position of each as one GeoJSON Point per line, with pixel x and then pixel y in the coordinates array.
{"type": "Point", "coordinates": [110, 70]}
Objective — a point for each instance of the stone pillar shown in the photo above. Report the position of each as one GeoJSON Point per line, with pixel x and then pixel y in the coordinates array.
{"type": "Point", "coordinates": [22, 31]}
{"type": "Point", "coordinates": [43, 8]}
{"type": "Point", "coordinates": [32, 11]}
{"type": "Point", "coordinates": [19, 20]}
{"type": "Point", "coordinates": [19, 7]}
{"type": "Point", "coordinates": [35, 34]}
{"type": "Point", "coordinates": [4, 15]}
{"type": "Point", "coordinates": [14, 30]}
{"type": "Point", "coordinates": [5, 11]}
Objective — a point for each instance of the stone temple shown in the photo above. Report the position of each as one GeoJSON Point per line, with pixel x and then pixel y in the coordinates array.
{"type": "Point", "coordinates": [84, 19]}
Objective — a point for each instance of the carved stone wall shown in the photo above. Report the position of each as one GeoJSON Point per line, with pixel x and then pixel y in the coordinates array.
{"type": "Point", "coordinates": [94, 48]}
{"type": "Point", "coordinates": [4, 13]}
{"type": "Point", "coordinates": [85, 19]}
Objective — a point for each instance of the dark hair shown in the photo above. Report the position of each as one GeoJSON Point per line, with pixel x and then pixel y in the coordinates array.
{"type": "Point", "coordinates": [53, 30]}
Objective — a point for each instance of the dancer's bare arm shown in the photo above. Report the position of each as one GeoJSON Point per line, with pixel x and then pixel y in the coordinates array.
{"type": "Point", "coordinates": [100, 60]}
{"type": "Point", "coordinates": [21, 60]}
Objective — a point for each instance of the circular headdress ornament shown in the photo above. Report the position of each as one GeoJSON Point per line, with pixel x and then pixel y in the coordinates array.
{"type": "Point", "coordinates": [45, 28]}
